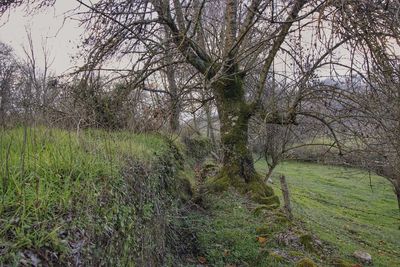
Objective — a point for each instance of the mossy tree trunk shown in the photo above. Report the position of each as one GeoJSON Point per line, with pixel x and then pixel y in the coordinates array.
{"type": "Point", "coordinates": [234, 118]}
{"type": "Point", "coordinates": [234, 114]}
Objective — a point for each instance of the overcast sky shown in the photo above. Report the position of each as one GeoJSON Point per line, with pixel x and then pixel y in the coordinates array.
{"type": "Point", "coordinates": [62, 37]}
{"type": "Point", "coordinates": [62, 34]}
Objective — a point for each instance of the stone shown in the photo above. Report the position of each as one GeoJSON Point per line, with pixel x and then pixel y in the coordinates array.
{"type": "Point", "coordinates": [363, 257]}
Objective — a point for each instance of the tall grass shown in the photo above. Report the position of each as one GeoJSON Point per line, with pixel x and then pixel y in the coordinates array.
{"type": "Point", "coordinates": [50, 175]}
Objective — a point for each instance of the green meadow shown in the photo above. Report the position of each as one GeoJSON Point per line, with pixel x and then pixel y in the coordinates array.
{"type": "Point", "coordinates": [350, 208]}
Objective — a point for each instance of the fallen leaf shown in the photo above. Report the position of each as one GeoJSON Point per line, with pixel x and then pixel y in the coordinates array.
{"type": "Point", "coordinates": [202, 260]}
{"type": "Point", "coordinates": [261, 239]}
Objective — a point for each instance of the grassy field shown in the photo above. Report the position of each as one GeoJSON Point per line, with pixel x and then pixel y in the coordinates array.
{"type": "Point", "coordinates": [346, 207]}
{"type": "Point", "coordinates": [59, 189]}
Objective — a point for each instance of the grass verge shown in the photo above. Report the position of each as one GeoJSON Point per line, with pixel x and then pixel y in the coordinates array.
{"type": "Point", "coordinates": [81, 198]}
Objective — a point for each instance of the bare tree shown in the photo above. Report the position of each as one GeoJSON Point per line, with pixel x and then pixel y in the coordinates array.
{"type": "Point", "coordinates": [226, 42]}
{"type": "Point", "coordinates": [369, 124]}
{"type": "Point", "coordinates": [364, 109]}
{"type": "Point", "coordinates": [36, 81]}
{"type": "Point", "coordinates": [8, 71]}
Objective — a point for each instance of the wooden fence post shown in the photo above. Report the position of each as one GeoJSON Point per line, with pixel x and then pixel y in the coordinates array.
{"type": "Point", "coordinates": [286, 197]}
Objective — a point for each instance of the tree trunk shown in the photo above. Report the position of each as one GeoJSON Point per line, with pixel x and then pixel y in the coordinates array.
{"type": "Point", "coordinates": [175, 108]}
{"type": "Point", "coordinates": [210, 129]}
{"type": "Point", "coordinates": [234, 114]}
{"type": "Point", "coordinates": [269, 174]}
{"type": "Point", "coordinates": [174, 103]}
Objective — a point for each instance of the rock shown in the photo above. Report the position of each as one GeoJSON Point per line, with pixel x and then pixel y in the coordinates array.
{"type": "Point", "coordinates": [363, 256]}
{"type": "Point", "coordinates": [288, 238]}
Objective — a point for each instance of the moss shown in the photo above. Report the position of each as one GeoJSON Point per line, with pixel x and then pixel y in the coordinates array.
{"type": "Point", "coordinates": [256, 188]}
{"type": "Point", "coordinates": [276, 257]}
{"type": "Point", "coordinates": [184, 189]}
{"type": "Point", "coordinates": [263, 230]}
{"type": "Point", "coordinates": [337, 262]}
{"type": "Point", "coordinates": [218, 184]}
{"type": "Point", "coordinates": [209, 166]}
{"type": "Point", "coordinates": [258, 209]}
{"type": "Point", "coordinates": [280, 213]}
{"type": "Point", "coordinates": [259, 189]}
{"type": "Point", "coordinates": [295, 253]}
{"type": "Point", "coordinates": [209, 170]}
{"type": "Point", "coordinates": [224, 180]}
{"type": "Point", "coordinates": [176, 152]}
{"type": "Point", "coordinates": [307, 241]}
{"type": "Point", "coordinates": [266, 201]}
{"type": "Point", "coordinates": [281, 220]}
{"type": "Point", "coordinates": [306, 262]}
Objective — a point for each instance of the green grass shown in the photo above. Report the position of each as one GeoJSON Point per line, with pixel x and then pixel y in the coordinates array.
{"type": "Point", "coordinates": [54, 182]}
{"type": "Point", "coordinates": [339, 205]}
{"type": "Point", "coordinates": [227, 231]}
